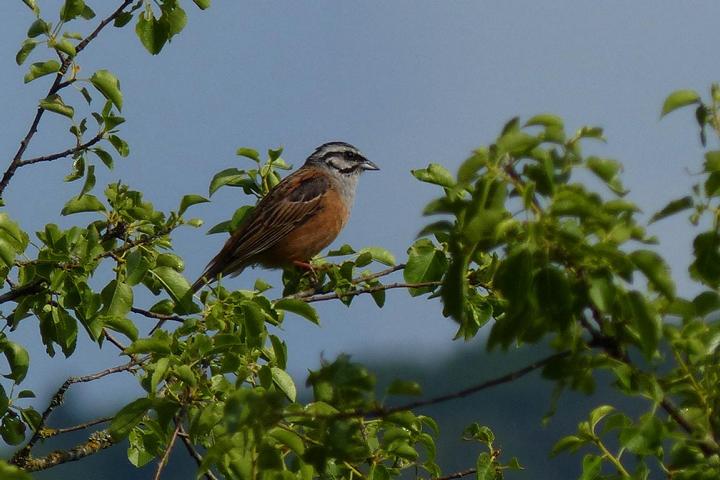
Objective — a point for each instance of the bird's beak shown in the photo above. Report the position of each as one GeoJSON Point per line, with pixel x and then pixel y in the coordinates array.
{"type": "Point", "coordinates": [368, 165]}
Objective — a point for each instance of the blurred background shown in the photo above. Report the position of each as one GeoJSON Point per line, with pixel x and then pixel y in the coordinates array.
{"type": "Point", "coordinates": [408, 82]}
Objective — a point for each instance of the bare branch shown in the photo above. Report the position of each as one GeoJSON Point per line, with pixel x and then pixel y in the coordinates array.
{"type": "Point", "coordinates": [193, 453]}
{"type": "Point", "coordinates": [157, 316]}
{"type": "Point", "coordinates": [54, 88]}
{"type": "Point", "coordinates": [64, 153]}
{"type": "Point", "coordinates": [52, 432]}
{"type": "Point", "coordinates": [97, 442]}
{"type": "Point", "coordinates": [463, 473]}
{"type": "Point", "coordinates": [23, 454]}
{"type": "Point", "coordinates": [166, 454]}
{"type": "Point", "coordinates": [507, 378]}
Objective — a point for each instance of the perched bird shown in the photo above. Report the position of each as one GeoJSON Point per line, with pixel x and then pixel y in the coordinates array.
{"type": "Point", "coordinates": [299, 217]}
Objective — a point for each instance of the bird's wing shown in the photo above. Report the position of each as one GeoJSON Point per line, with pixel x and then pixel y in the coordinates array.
{"type": "Point", "coordinates": [292, 201]}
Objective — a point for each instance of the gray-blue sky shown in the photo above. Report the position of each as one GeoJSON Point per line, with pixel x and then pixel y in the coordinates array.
{"type": "Point", "coordinates": [409, 82]}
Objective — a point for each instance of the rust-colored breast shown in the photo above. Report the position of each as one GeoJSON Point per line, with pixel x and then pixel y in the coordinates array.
{"type": "Point", "coordinates": [311, 236]}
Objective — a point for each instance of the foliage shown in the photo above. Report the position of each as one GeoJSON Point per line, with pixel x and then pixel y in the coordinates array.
{"type": "Point", "coordinates": [524, 244]}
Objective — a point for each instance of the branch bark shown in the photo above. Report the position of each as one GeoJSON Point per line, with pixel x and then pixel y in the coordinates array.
{"type": "Point", "coordinates": [97, 442]}
{"type": "Point", "coordinates": [64, 153]}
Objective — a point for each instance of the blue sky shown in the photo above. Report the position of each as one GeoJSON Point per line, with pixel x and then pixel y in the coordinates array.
{"type": "Point", "coordinates": [408, 82]}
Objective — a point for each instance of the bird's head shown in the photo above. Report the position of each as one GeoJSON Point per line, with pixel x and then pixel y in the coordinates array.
{"type": "Point", "coordinates": [342, 158]}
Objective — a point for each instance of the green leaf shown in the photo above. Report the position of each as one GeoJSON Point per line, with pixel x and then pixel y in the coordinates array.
{"type": "Point", "coordinates": [672, 208]}
{"type": "Point", "coordinates": [117, 298]}
{"type": "Point", "coordinates": [129, 417]}
{"type": "Point", "coordinates": [38, 27]}
{"type": "Point", "coordinates": [65, 330]}
{"type": "Point", "coordinates": [380, 254]}
{"type": "Point", "coordinates": [545, 120]}
{"type": "Point", "coordinates": [186, 374]}
{"type": "Point", "coordinates": [647, 322]}
{"type": "Point", "coordinates": [109, 86]}
{"type": "Point", "coordinates": [470, 167]}
{"type": "Point", "coordinates": [32, 5]}
{"type": "Point", "coordinates": [54, 103]}
{"type": "Point", "coordinates": [12, 233]}
{"type": "Point", "coordinates": [484, 467]}
{"type": "Point", "coordinates": [290, 439]}
{"type": "Point", "coordinates": [202, 4]}
{"type": "Point", "coordinates": [173, 18]}
{"type": "Point", "coordinates": [284, 382]}
{"type": "Point", "coordinates": [404, 387]}
{"type": "Point", "coordinates": [27, 47]}
{"type": "Point", "coordinates": [40, 69]}
{"type": "Point", "coordinates": [591, 465]}
{"type": "Point", "coordinates": [189, 200]}
{"type": "Point", "coordinates": [89, 181]}
{"type": "Point", "coordinates": [653, 266]}
{"type": "Point", "coordinates": [12, 430]}
{"type": "Point", "coordinates": [71, 9]}
{"type": "Point", "coordinates": [152, 33]}
{"type": "Point", "coordinates": [173, 282]}
{"type": "Point", "coordinates": [104, 157]}
{"type": "Point", "coordinates": [158, 343]}
{"type": "Point", "coordinates": [120, 145]}
{"type": "Point", "coordinates": [426, 263]}
{"type": "Point", "coordinates": [517, 143]}
{"type": "Point", "coordinates": [64, 45]}
{"type": "Point", "coordinates": [679, 99]}
{"type": "Point", "coordinates": [17, 358]}
{"type": "Point", "coordinates": [435, 174]}
{"type": "Point", "coordinates": [570, 443]}
{"type": "Point", "coordinates": [598, 414]}
{"type": "Point", "coordinates": [605, 168]}
{"type": "Point", "coordinates": [298, 307]}
{"type": "Point", "coordinates": [232, 177]}
{"type": "Point", "coordinates": [86, 203]}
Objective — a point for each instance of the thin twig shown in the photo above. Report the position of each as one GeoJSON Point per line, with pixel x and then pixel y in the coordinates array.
{"type": "Point", "coordinates": [166, 453]}
{"type": "Point", "coordinates": [507, 378]}
{"type": "Point", "coordinates": [463, 473]}
{"type": "Point", "coordinates": [113, 340]}
{"type": "Point", "coordinates": [193, 453]}
{"type": "Point", "coordinates": [373, 289]}
{"type": "Point", "coordinates": [64, 153]}
{"type": "Point", "coordinates": [362, 278]}
{"type": "Point", "coordinates": [56, 86]}
{"type": "Point", "coordinates": [57, 400]}
{"type": "Point", "coordinates": [51, 432]}
{"type": "Point", "coordinates": [157, 316]}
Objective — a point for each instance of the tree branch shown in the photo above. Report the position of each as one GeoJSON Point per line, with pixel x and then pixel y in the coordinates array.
{"type": "Point", "coordinates": [52, 432]}
{"type": "Point", "coordinates": [54, 88]}
{"type": "Point", "coordinates": [373, 289]}
{"type": "Point", "coordinates": [194, 453]}
{"type": "Point", "coordinates": [463, 473]}
{"type": "Point", "coordinates": [166, 453]}
{"type": "Point", "coordinates": [28, 289]}
{"type": "Point", "coordinates": [97, 442]}
{"type": "Point", "coordinates": [64, 153]}
{"type": "Point", "coordinates": [21, 456]}
{"type": "Point", "coordinates": [363, 278]}
{"type": "Point", "coordinates": [507, 378]}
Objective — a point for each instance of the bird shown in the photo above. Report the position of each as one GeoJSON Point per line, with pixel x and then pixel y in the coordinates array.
{"type": "Point", "coordinates": [297, 218]}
